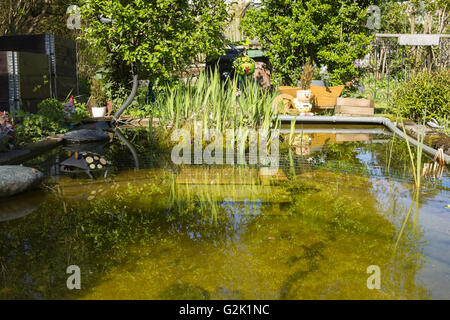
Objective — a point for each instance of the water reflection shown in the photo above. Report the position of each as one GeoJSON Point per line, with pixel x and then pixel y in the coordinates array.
{"type": "Point", "coordinates": [149, 242]}
{"type": "Point", "coordinates": [21, 205]}
{"type": "Point", "coordinates": [129, 145]}
{"type": "Point", "coordinates": [169, 233]}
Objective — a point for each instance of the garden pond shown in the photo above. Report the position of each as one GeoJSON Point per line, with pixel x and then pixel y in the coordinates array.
{"type": "Point", "coordinates": [144, 228]}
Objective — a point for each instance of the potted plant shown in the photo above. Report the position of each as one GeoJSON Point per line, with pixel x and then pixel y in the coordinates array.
{"type": "Point", "coordinates": [98, 101]}
{"type": "Point", "coordinates": [306, 77]}
{"type": "Point", "coordinates": [321, 77]}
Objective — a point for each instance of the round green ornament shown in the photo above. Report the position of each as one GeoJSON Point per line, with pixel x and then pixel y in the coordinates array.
{"type": "Point", "coordinates": [244, 66]}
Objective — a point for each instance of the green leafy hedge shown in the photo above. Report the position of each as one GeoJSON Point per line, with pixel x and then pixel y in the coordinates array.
{"type": "Point", "coordinates": [49, 119]}
{"type": "Point", "coordinates": [423, 94]}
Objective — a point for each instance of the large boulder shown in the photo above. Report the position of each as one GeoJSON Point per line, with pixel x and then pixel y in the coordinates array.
{"type": "Point", "coordinates": [17, 179]}
{"type": "Point", "coordinates": [85, 135]}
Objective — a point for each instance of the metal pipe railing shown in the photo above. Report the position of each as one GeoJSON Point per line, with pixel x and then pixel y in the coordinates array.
{"type": "Point", "coordinates": [363, 120]}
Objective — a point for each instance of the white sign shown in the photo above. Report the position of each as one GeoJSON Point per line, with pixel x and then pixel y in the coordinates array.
{"type": "Point", "coordinates": [418, 39]}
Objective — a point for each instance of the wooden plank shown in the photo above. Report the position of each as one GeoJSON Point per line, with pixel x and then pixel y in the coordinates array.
{"type": "Point", "coordinates": [352, 102]}
{"type": "Point", "coordinates": [354, 110]}
{"type": "Point", "coordinates": [419, 39]}
{"type": "Point", "coordinates": [32, 150]}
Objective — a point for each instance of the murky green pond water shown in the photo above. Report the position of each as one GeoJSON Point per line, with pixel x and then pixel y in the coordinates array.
{"type": "Point", "coordinates": [222, 232]}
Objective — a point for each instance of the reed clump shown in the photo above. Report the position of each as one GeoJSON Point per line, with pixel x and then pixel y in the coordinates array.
{"type": "Point", "coordinates": [218, 104]}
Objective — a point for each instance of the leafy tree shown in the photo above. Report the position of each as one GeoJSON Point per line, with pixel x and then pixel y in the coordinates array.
{"type": "Point", "coordinates": [159, 37]}
{"type": "Point", "coordinates": [331, 33]}
{"type": "Point", "coordinates": [34, 16]}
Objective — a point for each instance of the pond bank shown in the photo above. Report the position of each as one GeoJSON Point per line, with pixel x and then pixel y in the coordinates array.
{"type": "Point", "coordinates": [434, 138]}
{"type": "Point", "coordinates": [32, 150]}
{"type": "Point", "coordinates": [127, 120]}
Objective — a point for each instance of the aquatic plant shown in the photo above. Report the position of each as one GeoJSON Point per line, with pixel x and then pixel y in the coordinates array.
{"type": "Point", "coordinates": [416, 165]}
{"type": "Point", "coordinates": [217, 104]}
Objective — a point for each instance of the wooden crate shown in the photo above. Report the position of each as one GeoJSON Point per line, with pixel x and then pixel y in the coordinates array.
{"type": "Point", "coordinates": [354, 107]}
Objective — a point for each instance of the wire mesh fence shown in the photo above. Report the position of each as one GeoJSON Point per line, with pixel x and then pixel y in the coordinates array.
{"type": "Point", "coordinates": [390, 63]}
{"type": "Point", "coordinates": [291, 165]}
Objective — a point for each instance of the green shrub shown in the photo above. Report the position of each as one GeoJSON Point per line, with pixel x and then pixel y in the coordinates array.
{"type": "Point", "coordinates": [49, 119]}
{"type": "Point", "coordinates": [423, 94]}
{"type": "Point", "coordinates": [330, 33]}
{"type": "Point", "coordinates": [34, 127]}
